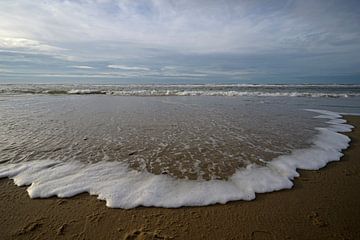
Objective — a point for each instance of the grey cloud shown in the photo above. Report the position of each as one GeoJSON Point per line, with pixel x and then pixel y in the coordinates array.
{"type": "Point", "coordinates": [235, 40]}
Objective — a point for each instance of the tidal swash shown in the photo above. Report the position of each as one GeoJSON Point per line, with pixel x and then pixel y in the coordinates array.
{"type": "Point", "coordinates": [169, 146]}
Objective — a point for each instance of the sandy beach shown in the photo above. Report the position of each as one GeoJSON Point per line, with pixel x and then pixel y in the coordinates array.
{"type": "Point", "coordinates": [189, 119]}
{"type": "Point", "coordinates": [323, 204]}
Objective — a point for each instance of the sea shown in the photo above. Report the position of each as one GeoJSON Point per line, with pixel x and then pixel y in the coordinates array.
{"type": "Point", "coordinates": [169, 145]}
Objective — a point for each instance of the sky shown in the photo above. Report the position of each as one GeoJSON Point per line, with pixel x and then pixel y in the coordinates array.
{"type": "Point", "coordinates": [180, 41]}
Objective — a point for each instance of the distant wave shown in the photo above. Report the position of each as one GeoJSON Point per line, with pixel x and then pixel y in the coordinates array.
{"type": "Point", "coordinates": [230, 93]}
{"type": "Point", "coordinates": [85, 91]}
{"type": "Point", "coordinates": [269, 90]}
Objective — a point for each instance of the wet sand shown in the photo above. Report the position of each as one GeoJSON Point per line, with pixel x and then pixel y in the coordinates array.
{"type": "Point", "coordinates": [324, 204]}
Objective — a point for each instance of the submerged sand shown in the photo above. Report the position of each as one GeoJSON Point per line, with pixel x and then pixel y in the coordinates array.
{"type": "Point", "coordinates": [324, 204]}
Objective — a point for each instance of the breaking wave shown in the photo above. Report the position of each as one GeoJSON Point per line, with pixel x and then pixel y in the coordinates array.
{"type": "Point", "coordinates": [331, 91]}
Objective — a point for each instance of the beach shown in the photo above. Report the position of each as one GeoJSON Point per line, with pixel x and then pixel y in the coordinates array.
{"type": "Point", "coordinates": [323, 204]}
{"type": "Point", "coordinates": [159, 119]}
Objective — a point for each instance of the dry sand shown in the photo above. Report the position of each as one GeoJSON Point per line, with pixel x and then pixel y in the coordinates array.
{"type": "Point", "coordinates": [324, 204]}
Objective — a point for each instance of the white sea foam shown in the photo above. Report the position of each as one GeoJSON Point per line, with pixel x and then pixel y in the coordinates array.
{"type": "Point", "coordinates": [261, 90]}
{"type": "Point", "coordinates": [228, 93]}
{"type": "Point", "coordinates": [85, 91]}
{"type": "Point", "coordinates": [122, 187]}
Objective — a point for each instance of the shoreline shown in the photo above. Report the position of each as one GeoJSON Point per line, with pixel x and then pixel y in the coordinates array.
{"type": "Point", "coordinates": [323, 204]}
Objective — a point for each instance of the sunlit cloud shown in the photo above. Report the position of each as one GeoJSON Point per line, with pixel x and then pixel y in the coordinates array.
{"type": "Point", "coordinates": [23, 43]}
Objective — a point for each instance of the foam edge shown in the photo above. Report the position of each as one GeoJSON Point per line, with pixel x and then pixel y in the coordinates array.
{"type": "Point", "coordinates": [122, 187]}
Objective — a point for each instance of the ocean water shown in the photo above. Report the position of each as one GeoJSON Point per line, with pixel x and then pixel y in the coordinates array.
{"type": "Point", "coordinates": [169, 145]}
{"type": "Point", "coordinates": [333, 90]}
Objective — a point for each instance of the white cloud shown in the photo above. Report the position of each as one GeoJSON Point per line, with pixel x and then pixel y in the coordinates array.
{"type": "Point", "coordinates": [181, 75]}
{"type": "Point", "coordinates": [226, 72]}
{"type": "Point", "coordinates": [5, 71]}
{"type": "Point", "coordinates": [131, 68]}
{"type": "Point", "coordinates": [81, 67]}
{"type": "Point", "coordinates": [167, 68]}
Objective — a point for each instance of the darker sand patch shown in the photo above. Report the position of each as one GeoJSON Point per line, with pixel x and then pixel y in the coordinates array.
{"type": "Point", "coordinates": [142, 234]}
{"type": "Point", "coordinates": [30, 227]}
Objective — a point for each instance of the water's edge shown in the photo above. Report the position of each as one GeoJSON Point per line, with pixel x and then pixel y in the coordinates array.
{"type": "Point", "coordinates": [121, 187]}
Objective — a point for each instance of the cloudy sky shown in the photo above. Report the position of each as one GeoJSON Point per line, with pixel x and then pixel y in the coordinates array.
{"type": "Point", "coordinates": [180, 41]}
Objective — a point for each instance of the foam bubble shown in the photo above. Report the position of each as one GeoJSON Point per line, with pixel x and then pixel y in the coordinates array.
{"type": "Point", "coordinates": [122, 187]}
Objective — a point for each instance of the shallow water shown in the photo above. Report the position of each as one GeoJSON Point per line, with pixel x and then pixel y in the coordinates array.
{"type": "Point", "coordinates": [186, 137]}
{"type": "Point", "coordinates": [105, 144]}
